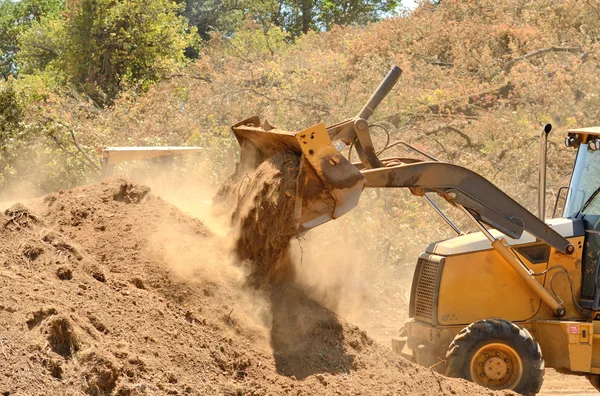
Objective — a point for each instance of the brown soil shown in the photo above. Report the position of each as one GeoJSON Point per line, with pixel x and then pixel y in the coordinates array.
{"type": "Point", "coordinates": [109, 290]}
{"type": "Point", "coordinates": [557, 384]}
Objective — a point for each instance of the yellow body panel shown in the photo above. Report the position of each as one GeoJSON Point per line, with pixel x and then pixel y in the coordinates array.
{"type": "Point", "coordinates": [481, 285]}
{"type": "Point", "coordinates": [572, 263]}
{"type": "Point", "coordinates": [313, 138]}
{"type": "Point", "coordinates": [566, 345]}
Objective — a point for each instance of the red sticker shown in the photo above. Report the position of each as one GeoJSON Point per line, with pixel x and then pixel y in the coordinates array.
{"type": "Point", "coordinates": [574, 329]}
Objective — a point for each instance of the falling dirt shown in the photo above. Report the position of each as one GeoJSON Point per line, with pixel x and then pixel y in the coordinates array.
{"type": "Point", "coordinates": [263, 216]}
{"type": "Point", "coordinates": [109, 290]}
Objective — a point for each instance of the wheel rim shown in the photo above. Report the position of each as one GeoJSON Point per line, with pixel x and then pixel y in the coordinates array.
{"type": "Point", "coordinates": [496, 366]}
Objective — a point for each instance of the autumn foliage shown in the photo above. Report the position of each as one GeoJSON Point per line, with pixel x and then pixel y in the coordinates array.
{"type": "Point", "coordinates": [480, 79]}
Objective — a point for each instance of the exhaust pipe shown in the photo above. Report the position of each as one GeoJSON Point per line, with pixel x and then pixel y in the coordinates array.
{"type": "Point", "coordinates": [542, 172]}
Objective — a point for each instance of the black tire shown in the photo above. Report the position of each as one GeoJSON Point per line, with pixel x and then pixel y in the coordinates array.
{"type": "Point", "coordinates": [500, 354]}
{"type": "Point", "coordinates": [594, 380]}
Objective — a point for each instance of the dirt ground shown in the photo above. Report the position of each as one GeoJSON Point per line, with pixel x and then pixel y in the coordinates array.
{"type": "Point", "coordinates": [108, 289]}
{"type": "Point", "coordinates": [561, 384]}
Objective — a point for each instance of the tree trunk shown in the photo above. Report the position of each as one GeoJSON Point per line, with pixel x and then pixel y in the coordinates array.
{"type": "Point", "coordinates": [306, 15]}
{"type": "Point", "coordinates": [277, 19]}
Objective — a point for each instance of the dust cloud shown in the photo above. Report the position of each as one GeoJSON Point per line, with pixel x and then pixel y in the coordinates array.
{"type": "Point", "coordinates": [20, 184]}
{"type": "Point", "coordinates": [209, 264]}
{"type": "Point", "coordinates": [187, 185]}
{"type": "Point", "coordinates": [337, 269]}
{"type": "Point", "coordinates": [332, 264]}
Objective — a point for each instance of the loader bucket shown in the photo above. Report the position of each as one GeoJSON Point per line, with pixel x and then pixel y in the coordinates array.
{"type": "Point", "coordinates": [328, 185]}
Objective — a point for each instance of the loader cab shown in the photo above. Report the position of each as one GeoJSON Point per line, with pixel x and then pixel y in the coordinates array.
{"type": "Point", "coordinates": [583, 202]}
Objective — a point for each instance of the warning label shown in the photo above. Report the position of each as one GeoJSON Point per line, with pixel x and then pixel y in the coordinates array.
{"type": "Point", "coordinates": [573, 329]}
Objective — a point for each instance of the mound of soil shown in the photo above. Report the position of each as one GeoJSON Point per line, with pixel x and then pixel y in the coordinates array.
{"type": "Point", "coordinates": [109, 290]}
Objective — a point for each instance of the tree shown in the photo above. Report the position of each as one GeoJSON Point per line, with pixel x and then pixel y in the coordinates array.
{"type": "Point", "coordinates": [11, 111]}
{"type": "Point", "coordinates": [103, 46]}
{"type": "Point", "coordinates": [134, 43]}
{"type": "Point", "coordinates": [226, 16]}
{"type": "Point", "coordinates": [350, 12]}
{"type": "Point", "coordinates": [15, 18]}
{"type": "Point", "coordinates": [293, 16]}
{"type": "Point", "coordinates": [42, 45]}
{"type": "Point", "coordinates": [299, 17]}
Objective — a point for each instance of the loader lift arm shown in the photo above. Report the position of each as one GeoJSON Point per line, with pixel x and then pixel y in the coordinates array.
{"type": "Point", "coordinates": [458, 185]}
{"type": "Point", "coordinates": [464, 187]}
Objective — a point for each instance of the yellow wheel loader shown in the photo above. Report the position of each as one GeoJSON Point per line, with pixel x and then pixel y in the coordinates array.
{"type": "Point", "coordinates": [494, 307]}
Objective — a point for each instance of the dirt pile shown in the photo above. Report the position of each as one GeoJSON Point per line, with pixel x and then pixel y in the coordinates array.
{"type": "Point", "coordinates": [109, 290]}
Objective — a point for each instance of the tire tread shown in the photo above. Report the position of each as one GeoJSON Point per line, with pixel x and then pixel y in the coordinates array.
{"type": "Point", "coordinates": [476, 334]}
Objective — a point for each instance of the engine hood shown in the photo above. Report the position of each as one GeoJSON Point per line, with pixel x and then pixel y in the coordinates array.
{"type": "Point", "coordinates": [477, 241]}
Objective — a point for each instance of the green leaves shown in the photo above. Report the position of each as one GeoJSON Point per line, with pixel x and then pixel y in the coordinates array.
{"type": "Point", "coordinates": [42, 45]}
{"type": "Point", "coordinates": [15, 18]}
{"type": "Point", "coordinates": [98, 46]}
{"type": "Point", "coordinates": [354, 12]}
{"type": "Point", "coordinates": [11, 111]}
{"type": "Point", "coordinates": [102, 47]}
{"type": "Point", "coordinates": [294, 17]}
{"type": "Point", "coordinates": [132, 44]}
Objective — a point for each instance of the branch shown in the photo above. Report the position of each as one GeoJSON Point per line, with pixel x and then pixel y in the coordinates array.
{"type": "Point", "coordinates": [594, 8]}
{"type": "Point", "coordinates": [480, 100]}
{"type": "Point", "coordinates": [460, 133]}
{"type": "Point", "coordinates": [271, 50]}
{"type": "Point", "coordinates": [440, 63]}
{"type": "Point", "coordinates": [444, 150]}
{"type": "Point", "coordinates": [463, 135]}
{"type": "Point", "coordinates": [435, 62]}
{"type": "Point", "coordinates": [87, 157]}
{"type": "Point", "coordinates": [243, 56]}
{"type": "Point", "coordinates": [438, 381]}
{"type": "Point", "coordinates": [196, 77]}
{"type": "Point", "coordinates": [72, 132]}
{"type": "Point", "coordinates": [508, 65]}
{"type": "Point", "coordinates": [64, 150]}
{"type": "Point", "coordinates": [449, 128]}
{"type": "Point", "coordinates": [320, 108]}
{"type": "Point", "coordinates": [397, 119]}
{"type": "Point", "coordinates": [47, 49]}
